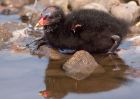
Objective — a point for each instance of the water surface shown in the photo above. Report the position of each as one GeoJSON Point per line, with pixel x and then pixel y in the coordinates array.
{"type": "Point", "coordinates": [21, 75]}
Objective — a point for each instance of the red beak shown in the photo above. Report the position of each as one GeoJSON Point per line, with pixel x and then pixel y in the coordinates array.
{"type": "Point", "coordinates": [42, 22]}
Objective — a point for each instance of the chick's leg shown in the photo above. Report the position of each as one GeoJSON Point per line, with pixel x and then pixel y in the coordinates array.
{"type": "Point", "coordinates": [117, 41]}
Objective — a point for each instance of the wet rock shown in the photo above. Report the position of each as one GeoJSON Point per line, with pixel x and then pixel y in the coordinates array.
{"type": "Point", "coordinates": [17, 3]}
{"type": "Point", "coordinates": [128, 11]}
{"type": "Point", "coordinates": [95, 6]}
{"type": "Point", "coordinates": [81, 65]}
{"type": "Point", "coordinates": [12, 26]}
{"type": "Point", "coordinates": [6, 30]}
{"type": "Point", "coordinates": [4, 36]}
{"type": "Point", "coordinates": [22, 37]}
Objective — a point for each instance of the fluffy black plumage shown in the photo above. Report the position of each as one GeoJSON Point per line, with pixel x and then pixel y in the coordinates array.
{"type": "Point", "coordinates": [84, 29]}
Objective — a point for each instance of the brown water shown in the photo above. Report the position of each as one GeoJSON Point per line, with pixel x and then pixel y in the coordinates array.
{"type": "Point", "coordinates": [22, 76]}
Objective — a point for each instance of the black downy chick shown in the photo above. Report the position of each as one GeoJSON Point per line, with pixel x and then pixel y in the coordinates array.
{"type": "Point", "coordinates": [85, 29]}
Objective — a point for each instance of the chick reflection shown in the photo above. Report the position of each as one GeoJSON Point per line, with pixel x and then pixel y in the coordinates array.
{"type": "Point", "coordinates": [59, 85]}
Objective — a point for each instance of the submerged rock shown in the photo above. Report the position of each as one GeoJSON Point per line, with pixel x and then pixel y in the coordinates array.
{"type": "Point", "coordinates": [127, 11]}
{"type": "Point", "coordinates": [49, 52]}
{"type": "Point", "coordinates": [81, 65]}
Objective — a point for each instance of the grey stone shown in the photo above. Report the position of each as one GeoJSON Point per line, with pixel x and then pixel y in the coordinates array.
{"type": "Point", "coordinates": [81, 65]}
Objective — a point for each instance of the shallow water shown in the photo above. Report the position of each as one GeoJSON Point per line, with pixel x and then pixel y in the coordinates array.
{"type": "Point", "coordinates": [11, 18]}
{"type": "Point", "coordinates": [21, 75]}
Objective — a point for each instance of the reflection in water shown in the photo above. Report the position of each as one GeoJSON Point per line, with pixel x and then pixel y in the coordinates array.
{"type": "Point", "coordinates": [59, 85]}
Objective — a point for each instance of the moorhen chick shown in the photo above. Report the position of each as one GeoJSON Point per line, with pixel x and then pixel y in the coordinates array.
{"type": "Point", "coordinates": [84, 29]}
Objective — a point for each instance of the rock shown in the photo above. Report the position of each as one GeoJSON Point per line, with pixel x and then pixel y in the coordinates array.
{"type": "Point", "coordinates": [129, 11]}
{"type": "Point", "coordinates": [4, 34]}
{"type": "Point", "coordinates": [31, 13]}
{"type": "Point", "coordinates": [62, 3]}
{"type": "Point", "coordinates": [81, 65]}
{"type": "Point", "coordinates": [108, 4]}
{"type": "Point", "coordinates": [6, 30]}
{"type": "Point", "coordinates": [135, 40]}
{"type": "Point", "coordinates": [137, 24]}
{"type": "Point", "coordinates": [95, 6]}
{"type": "Point", "coordinates": [134, 30]}
{"type": "Point", "coordinates": [79, 3]}
{"type": "Point", "coordinates": [9, 10]}
{"type": "Point", "coordinates": [30, 17]}
{"type": "Point", "coordinates": [138, 1]}
{"type": "Point", "coordinates": [12, 26]}
{"type": "Point", "coordinates": [17, 3]}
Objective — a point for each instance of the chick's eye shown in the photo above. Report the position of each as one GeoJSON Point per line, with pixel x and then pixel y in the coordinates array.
{"type": "Point", "coordinates": [50, 17]}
